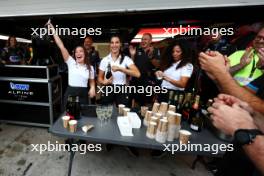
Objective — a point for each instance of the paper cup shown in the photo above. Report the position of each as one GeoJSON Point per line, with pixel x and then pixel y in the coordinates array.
{"type": "Point", "coordinates": [155, 107]}
{"type": "Point", "coordinates": [154, 119]}
{"type": "Point", "coordinates": [178, 118]}
{"type": "Point", "coordinates": [65, 120]}
{"type": "Point", "coordinates": [147, 117]}
{"type": "Point", "coordinates": [165, 118]}
{"type": "Point", "coordinates": [125, 111]}
{"type": "Point", "coordinates": [143, 110]}
{"type": "Point", "coordinates": [171, 132]}
{"type": "Point", "coordinates": [120, 109]}
{"type": "Point", "coordinates": [185, 136]}
{"type": "Point", "coordinates": [152, 129]}
{"type": "Point", "coordinates": [163, 107]}
{"type": "Point", "coordinates": [73, 125]}
{"type": "Point", "coordinates": [163, 125]}
{"type": "Point", "coordinates": [158, 115]}
{"type": "Point", "coordinates": [161, 137]}
{"type": "Point", "coordinates": [172, 108]}
{"type": "Point", "coordinates": [177, 132]}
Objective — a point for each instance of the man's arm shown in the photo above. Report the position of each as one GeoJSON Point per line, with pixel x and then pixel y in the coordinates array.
{"type": "Point", "coordinates": [244, 61]}
{"type": "Point", "coordinates": [229, 86]}
{"type": "Point", "coordinates": [255, 152]}
{"type": "Point", "coordinates": [215, 67]}
{"type": "Point", "coordinates": [234, 69]}
{"type": "Point", "coordinates": [230, 118]}
{"type": "Point", "coordinates": [259, 120]}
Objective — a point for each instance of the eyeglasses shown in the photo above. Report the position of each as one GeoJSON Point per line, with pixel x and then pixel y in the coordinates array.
{"type": "Point", "coordinates": [259, 37]}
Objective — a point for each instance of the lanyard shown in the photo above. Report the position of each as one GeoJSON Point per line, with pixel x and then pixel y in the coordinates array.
{"type": "Point", "coordinates": [254, 67]}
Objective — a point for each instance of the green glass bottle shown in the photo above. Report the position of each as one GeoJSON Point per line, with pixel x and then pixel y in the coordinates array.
{"type": "Point", "coordinates": [186, 107]}
{"type": "Point", "coordinates": [196, 118]}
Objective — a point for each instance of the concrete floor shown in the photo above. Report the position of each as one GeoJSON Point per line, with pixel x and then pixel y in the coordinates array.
{"type": "Point", "coordinates": [17, 159]}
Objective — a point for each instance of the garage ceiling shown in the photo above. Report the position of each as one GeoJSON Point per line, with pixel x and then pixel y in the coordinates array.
{"type": "Point", "coordinates": [15, 8]}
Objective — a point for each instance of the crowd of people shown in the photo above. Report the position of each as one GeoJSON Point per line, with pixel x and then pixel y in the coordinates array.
{"type": "Point", "coordinates": [234, 78]}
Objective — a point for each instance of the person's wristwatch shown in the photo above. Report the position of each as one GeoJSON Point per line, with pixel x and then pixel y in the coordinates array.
{"type": "Point", "coordinates": [246, 136]}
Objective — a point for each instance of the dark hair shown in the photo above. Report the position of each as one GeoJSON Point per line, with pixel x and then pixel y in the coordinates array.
{"type": "Point", "coordinates": [149, 34]}
{"type": "Point", "coordinates": [89, 37]}
{"type": "Point", "coordinates": [86, 57]}
{"type": "Point", "coordinates": [120, 51]}
{"type": "Point", "coordinates": [186, 56]}
{"type": "Point", "coordinates": [8, 40]}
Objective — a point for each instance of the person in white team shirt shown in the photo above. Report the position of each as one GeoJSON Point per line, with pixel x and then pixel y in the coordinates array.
{"type": "Point", "coordinates": [176, 69]}
{"type": "Point", "coordinates": [80, 72]}
{"type": "Point", "coordinates": [121, 67]}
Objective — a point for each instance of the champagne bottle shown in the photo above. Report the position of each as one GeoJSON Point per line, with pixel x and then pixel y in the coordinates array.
{"type": "Point", "coordinates": [188, 97]}
{"type": "Point", "coordinates": [186, 107]}
{"type": "Point", "coordinates": [69, 105]}
{"type": "Point", "coordinates": [206, 106]}
{"type": "Point", "coordinates": [196, 118]}
{"type": "Point", "coordinates": [179, 104]}
{"type": "Point", "coordinates": [209, 103]}
{"type": "Point", "coordinates": [108, 73]}
{"type": "Point", "coordinates": [77, 108]}
{"type": "Point", "coordinates": [170, 97]}
{"type": "Point", "coordinates": [176, 100]}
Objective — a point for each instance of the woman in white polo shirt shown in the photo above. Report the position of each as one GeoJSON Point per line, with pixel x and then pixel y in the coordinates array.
{"type": "Point", "coordinates": [176, 69]}
{"type": "Point", "coordinates": [80, 72]}
{"type": "Point", "coordinates": [121, 67]}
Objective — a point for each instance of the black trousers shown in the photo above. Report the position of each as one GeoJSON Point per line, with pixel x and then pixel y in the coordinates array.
{"type": "Point", "coordinates": [144, 98]}
{"type": "Point", "coordinates": [114, 97]}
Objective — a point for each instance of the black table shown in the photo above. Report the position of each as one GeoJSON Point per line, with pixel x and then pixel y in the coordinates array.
{"type": "Point", "coordinates": [110, 134]}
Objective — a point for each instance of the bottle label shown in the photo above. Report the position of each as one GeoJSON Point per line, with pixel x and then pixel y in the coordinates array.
{"type": "Point", "coordinates": [185, 114]}
{"type": "Point", "coordinates": [194, 127]}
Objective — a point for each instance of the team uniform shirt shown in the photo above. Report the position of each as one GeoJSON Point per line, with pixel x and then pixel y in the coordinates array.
{"type": "Point", "coordinates": [78, 73]}
{"type": "Point", "coordinates": [143, 61]}
{"type": "Point", "coordinates": [171, 72]}
{"type": "Point", "coordinates": [119, 78]}
{"type": "Point", "coordinates": [258, 86]}
{"type": "Point", "coordinates": [249, 72]}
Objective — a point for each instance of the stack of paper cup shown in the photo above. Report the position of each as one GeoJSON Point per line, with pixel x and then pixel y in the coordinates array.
{"type": "Point", "coordinates": [165, 118]}
{"type": "Point", "coordinates": [143, 110]}
{"type": "Point", "coordinates": [73, 126]}
{"type": "Point", "coordinates": [120, 109]}
{"type": "Point", "coordinates": [154, 119]}
{"type": "Point", "coordinates": [65, 120]}
{"type": "Point", "coordinates": [147, 118]}
{"type": "Point", "coordinates": [158, 115]}
{"type": "Point", "coordinates": [178, 125]}
{"type": "Point", "coordinates": [125, 111]}
{"type": "Point", "coordinates": [173, 126]}
{"type": "Point", "coordinates": [155, 107]}
{"type": "Point", "coordinates": [162, 131]}
{"type": "Point", "coordinates": [151, 130]}
{"type": "Point", "coordinates": [163, 108]}
{"type": "Point", "coordinates": [172, 108]}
